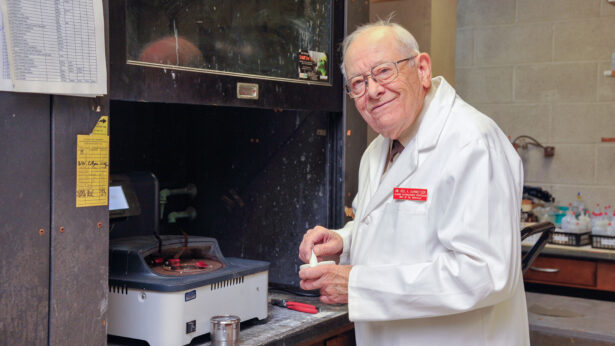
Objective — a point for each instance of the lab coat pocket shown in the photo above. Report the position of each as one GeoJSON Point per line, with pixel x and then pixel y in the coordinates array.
{"type": "Point", "coordinates": [406, 226]}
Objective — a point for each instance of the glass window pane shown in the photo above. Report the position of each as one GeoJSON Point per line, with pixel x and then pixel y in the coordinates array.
{"type": "Point", "coordinates": [273, 38]}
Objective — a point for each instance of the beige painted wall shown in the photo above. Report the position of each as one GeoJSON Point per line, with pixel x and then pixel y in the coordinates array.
{"type": "Point", "coordinates": [536, 67]}
{"type": "Point", "coordinates": [443, 42]}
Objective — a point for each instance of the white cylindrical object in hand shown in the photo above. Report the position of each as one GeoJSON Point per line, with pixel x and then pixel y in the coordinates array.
{"type": "Point", "coordinates": [308, 265]}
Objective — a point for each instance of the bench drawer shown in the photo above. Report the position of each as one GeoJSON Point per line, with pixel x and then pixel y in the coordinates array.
{"type": "Point", "coordinates": [562, 271]}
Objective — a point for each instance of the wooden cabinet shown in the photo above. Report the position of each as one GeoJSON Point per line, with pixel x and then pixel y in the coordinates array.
{"type": "Point", "coordinates": [343, 336]}
{"type": "Point", "coordinates": [606, 277]}
{"type": "Point", "coordinates": [568, 272]}
{"type": "Point", "coordinates": [580, 273]}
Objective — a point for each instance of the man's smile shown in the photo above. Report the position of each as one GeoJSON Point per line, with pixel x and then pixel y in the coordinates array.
{"type": "Point", "coordinates": [380, 105]}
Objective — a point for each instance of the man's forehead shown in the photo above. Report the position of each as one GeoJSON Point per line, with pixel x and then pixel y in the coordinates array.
{"type": "Point", "coordinates": [371, 38]}
{"type": "Point", "coordinates": [366, 51]}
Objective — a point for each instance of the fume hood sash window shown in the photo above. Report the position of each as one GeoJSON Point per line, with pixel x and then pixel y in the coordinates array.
{"type": "Point", "coordinates": [286, 40]}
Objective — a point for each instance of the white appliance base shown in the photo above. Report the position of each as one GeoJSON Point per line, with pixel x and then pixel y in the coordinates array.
{"type": "Point", "coordinates": [174, 318]}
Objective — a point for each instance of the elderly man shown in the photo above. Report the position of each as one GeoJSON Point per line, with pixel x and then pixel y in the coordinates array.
{"type": "Point", "coordinates": [433, 254]}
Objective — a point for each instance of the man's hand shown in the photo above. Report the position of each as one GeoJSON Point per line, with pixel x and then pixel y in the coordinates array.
{"type": "Point", "coordinates": [330, 279]}
{"type": "Point", "coordinates": [323, 241]}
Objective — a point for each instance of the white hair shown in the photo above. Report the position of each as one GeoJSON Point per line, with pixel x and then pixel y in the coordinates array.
{"type": "Point", "coordinates": [407, 42]}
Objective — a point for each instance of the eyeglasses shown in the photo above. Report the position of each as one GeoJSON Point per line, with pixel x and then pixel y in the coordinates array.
{"type": "Point", "coordinates": [382, 74]}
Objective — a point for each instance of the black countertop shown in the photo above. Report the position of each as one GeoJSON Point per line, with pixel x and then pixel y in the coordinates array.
{"type": "Point", "coordinates": [289, 327]}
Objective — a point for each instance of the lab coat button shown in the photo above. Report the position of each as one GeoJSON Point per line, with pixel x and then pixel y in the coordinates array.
{"type": "Point", "coordinates": [368, 220]}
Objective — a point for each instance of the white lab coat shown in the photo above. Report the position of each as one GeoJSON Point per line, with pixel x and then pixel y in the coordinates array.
{"type": "Point", "coordinates": [445, 271]}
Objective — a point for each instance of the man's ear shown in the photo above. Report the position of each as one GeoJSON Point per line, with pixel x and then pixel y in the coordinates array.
{"type": "Point", "coordinates": [423, 66]}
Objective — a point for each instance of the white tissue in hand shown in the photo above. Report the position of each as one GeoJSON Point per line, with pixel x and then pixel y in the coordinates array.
{"type": "Point", "coordinates": [313, 259]}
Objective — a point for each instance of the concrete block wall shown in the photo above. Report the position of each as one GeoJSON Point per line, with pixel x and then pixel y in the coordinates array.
{"type": "Point", "coordinates": [536, 68]}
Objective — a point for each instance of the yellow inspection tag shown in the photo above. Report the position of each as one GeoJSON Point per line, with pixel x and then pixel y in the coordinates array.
{"type": "Point", "coordinates": [93, 166]}
{"type": "Point", "coordinates": [101, 126]}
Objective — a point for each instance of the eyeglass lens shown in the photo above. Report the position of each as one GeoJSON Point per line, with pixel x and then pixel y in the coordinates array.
{"type": "Point", "coordinates": [381, 74]}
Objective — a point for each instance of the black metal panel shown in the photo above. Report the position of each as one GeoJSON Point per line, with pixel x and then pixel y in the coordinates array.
{"type": "Point", "coordinates": [24, 218]}
{"type": "Point", "coordinates": [263, 177]}
{"type": "Point", "coordinates": [138, 83]}
{"type": "Point", "coordinates": [79, 246]}
{"type": "Point", "coordinates": [291, 193]}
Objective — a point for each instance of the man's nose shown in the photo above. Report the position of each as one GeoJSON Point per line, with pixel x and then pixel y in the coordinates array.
{"type": "Point", "coordinates": [373, 88]}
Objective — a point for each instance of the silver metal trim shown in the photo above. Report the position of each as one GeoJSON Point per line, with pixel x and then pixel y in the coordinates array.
{"type": "Point", "coordinates": [545, 270]}
{"type": "Point", "coordinates": [225, 73]}
{"type": "Point", "coordinates": [254, 89]}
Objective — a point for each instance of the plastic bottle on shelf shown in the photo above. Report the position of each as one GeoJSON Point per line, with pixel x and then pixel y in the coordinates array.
{"type": "Point", "coordinates": [599, 227]}
{"type": "Point", "coordinates": [569, 221]}
{"type": "Point", "coordinates": [596, 215]}
{"type": "Point", "coordinates": [578, 205]}
{"type": "Point", "coordinates": [608, 214]}
{"type": "Point", "coordinates": [573, 207]}
{"type": "Point", "coordinates": [581, 204]}
{"type": "Point", "coordinates": [585, 222]}
{"type": "Point", "coordinates": [600, 220]}
{"type": "Point", "coordinates": [610, 229]}
{"type": "Point", "coordinates": [578, 228]}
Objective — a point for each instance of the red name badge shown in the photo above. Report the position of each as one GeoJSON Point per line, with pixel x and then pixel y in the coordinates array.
{"type": "Point", "coordinates": [410, 194]}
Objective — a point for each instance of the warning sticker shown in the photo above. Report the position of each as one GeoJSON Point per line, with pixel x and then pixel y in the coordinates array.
{"type": "Point", "coordinates": [313, 65]}
{"type": "Point", "coordinates": [93, 166]}
{"type": "Point", "coordinates": [410, 194]}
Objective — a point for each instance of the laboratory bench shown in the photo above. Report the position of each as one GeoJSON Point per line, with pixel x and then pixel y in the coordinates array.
{"type": "Point", "coordinates": [573, 266]}
{"type": "Point", "coordinates": [552, 320]}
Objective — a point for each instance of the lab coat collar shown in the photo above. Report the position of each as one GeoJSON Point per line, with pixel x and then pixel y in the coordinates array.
{"type": "Point", "coordinates": [409, 134]}
{"type": "Point", "coordinates": [436, 114]}
{"type": "Point", "coordinates": [431, 123]}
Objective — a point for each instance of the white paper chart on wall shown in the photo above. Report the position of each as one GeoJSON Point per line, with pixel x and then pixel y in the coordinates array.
{"type": "Point", "coordinates": [5, 74]}
{"type": "Point", "coordinates": [54, 47]}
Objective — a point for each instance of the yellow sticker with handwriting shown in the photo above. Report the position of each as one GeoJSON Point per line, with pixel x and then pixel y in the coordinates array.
{"type": "Point", "coordinates": [101, 126]}
{"type": "Point", "coordinates": [93, 166]}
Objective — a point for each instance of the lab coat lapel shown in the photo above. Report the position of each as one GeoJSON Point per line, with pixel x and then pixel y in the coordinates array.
{"type": "Point", "coordinates": [435, 118]}
{"type": "Point", "coordinates": [376, 167]}
{"type": "Point", "coordinates": [401, 169]}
